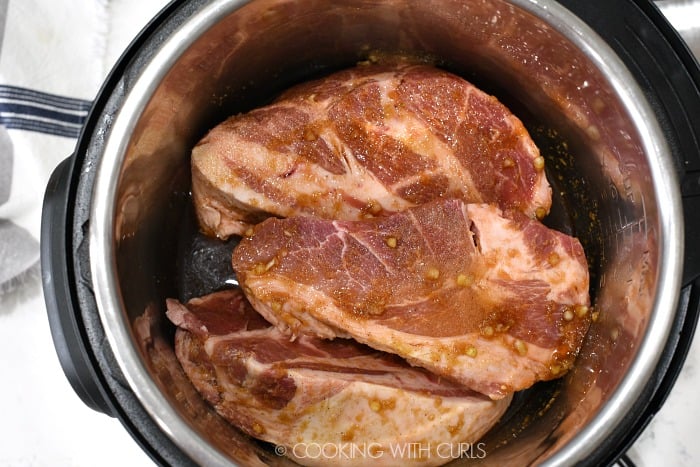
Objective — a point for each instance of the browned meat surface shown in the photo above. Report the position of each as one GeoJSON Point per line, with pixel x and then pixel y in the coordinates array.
{"type": "Point", "coordinates": [496, 303]}
{"type": "Point", "coordinates": [365, 142]}
{"type": "Point", "coordinates": [313, 392]}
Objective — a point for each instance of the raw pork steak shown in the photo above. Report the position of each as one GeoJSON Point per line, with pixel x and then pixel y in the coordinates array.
{"type": "Point", "coordinates": [366, 142]}
{"type": "Point", "coordinates": [496, 303]}
{"type": "Point", "coordinates": [359, 404]}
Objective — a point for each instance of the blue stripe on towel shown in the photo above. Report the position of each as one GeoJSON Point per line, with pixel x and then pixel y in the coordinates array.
{"type": "Point", "coordinates": [27, 109]}
{"type": "Point", "coordinates": [51, 128]}
{"type": "Point", "coordinates": [68, 103]}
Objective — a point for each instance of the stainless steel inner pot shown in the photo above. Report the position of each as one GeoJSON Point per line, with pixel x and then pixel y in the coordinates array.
{"type": "Point", "coordinates": [607, 159]}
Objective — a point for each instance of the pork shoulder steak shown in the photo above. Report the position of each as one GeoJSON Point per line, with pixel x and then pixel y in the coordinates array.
{"type": "Point", "coordinates": [322, 401]}
{"type": "Point", "coordinates": [496, 303]}
{"type": "Point", "coordinates": [366, 142]}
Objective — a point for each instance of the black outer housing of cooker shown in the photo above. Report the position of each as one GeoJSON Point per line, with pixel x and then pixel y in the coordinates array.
{"type": "Point", "coordinates": [661, 63]}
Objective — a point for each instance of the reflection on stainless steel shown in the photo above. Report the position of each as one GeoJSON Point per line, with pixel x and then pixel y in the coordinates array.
{"type": "Point", "coordinates": [684, 15]}
{"type": "Point", "coordinates": [165, 367]}
{"type": "Point", "coordinates": [223, 57]}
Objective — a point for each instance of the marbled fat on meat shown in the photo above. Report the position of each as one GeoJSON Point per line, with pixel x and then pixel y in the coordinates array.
{"type": "Point", "coordinates": [494, 301]}
{"type": "Point", "coordinates": [365, 142]}
{"type": "Point", "coordinates": [313, 392]}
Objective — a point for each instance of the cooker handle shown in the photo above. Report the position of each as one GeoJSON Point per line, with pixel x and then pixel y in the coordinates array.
{"type": "Point", "coordinates": [65, 321]}
{"type": "Point", "coordinates": [690, 190]}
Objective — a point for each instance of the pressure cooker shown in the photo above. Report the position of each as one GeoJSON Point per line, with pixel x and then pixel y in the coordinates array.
{"type": "Point", "coordinates": [607, 89]}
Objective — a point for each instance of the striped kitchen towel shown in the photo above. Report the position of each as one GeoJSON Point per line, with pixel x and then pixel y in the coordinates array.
{"type": "Point", "coordinates": [32, 110]}
{"type": "Point", "coordinates": [50, 68]}
{"type": "Point", "coordinates": [54, 55]}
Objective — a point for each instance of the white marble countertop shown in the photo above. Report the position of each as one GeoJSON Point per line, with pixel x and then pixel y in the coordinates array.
{"type": "Point", "coordinates": [43, 422]}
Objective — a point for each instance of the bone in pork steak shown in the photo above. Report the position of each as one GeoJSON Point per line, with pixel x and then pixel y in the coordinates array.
{"type": "Point", "coordinates": [360, 404]}
{"type": "Point", "coordinates": [367, 141]}
{"type": "Point", "coordinates": [496, 303]}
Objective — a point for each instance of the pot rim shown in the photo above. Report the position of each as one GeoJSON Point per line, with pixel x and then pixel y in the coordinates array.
{"type": "Point", "coordinates": [667, 293]}
{"type": "Point", "coordinates": [101, 240]}
{"type": "Point", "coordinates": [102, 262]}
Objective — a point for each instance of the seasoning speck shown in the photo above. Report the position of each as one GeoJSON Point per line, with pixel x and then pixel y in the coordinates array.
{"type": "Point", "coordinates": [432, 274]}
{"type": "Point", "coordinates": [373, 207]}
{"type": "Point", "coordinates": [553, 259]}
{"type": "Point", "coordinates": [258, 428]}
{"type": "Point", "coordinates": [538, 163]}
{"type": "Point", "coordinates": [465, 280]}
{"type": "Point", "coordinates": [614, 334]}
{"type": "Point", "coordinates": [310, 135]}
{"type": "Point", "coordinates": [581, 310]}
